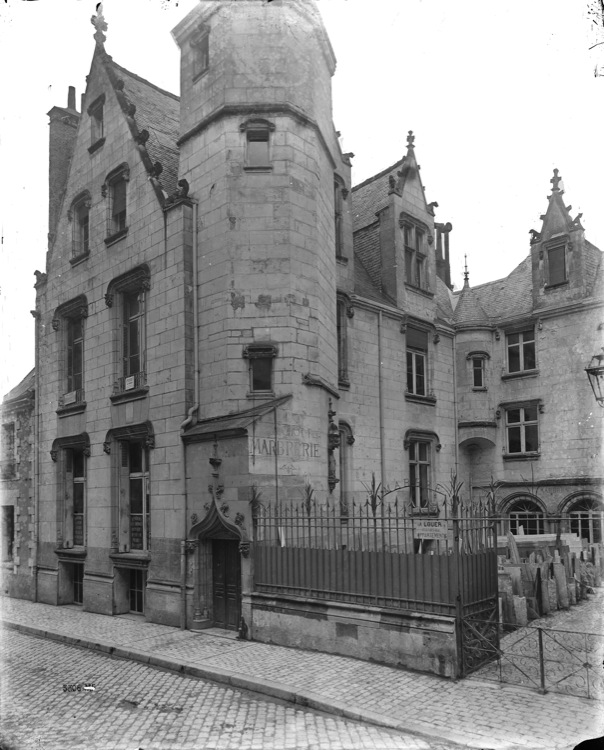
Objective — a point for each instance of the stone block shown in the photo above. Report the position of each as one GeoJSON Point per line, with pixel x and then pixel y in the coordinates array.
{"type": "Point", "coordinates": [520, 611]}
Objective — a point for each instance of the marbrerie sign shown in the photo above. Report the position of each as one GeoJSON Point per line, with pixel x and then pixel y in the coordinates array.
{"type": "Point", "coordinates": [431, 529]}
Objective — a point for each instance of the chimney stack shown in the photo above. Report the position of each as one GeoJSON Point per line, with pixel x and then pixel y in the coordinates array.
{"type": "Point", "coordinates": [71, 98]}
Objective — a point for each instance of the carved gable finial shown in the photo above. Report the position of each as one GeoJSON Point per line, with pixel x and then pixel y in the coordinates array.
{"type": "Point", "coordinates": [555, 182]}
{"type": "Point", "coordinates": [410, 139]}
{"type": "Point", "coordinates": [100, 25]}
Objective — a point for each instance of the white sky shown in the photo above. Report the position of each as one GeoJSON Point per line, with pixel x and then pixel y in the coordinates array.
{"type": "Point", "coordinates": [498, 94]}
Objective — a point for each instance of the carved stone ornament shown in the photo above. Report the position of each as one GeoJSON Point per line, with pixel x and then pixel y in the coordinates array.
{"type": "Point", "coordinates": [114, 540]}
{"type": "Point", "coordinates": [350, 439]}
{"type": "Point", "coordinates": [403, 326]}
{"type": "Point", "coordinates": [109, 299]}
{"type": "Point", "coordinates": [55, 323]}
{"type": "Point", "coordinates": [225, 510]}
{"type": "Point", "coordinates": [239, 519]}
{"type": "Point", "coordinates": [54, 455]}
{"type": "Point", "coordinates": [194, 519]}
{"type": "Point", "coordinates": [244, 549]}
{"type": "Point", "coordinates": [150, 441]}
{"type": "Point", "coordinates": [190, 545]}
{"type": "Point", "coordinates": [104, 190]}
{"type": "Point", "coordinates": [142, 137]}
{"type": "Point", "coordinates": [206, 506]}
{"type": "Point", "coordinates": [349, 311]}
{"type": "Point", "coordinates": [86, 451]}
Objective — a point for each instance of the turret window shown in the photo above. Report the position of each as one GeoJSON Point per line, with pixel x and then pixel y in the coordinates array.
{"type": "Point", "coordinates": [260, 363]}
{"type": "Point", "coordinates": [257, 144]}
{"type": "Point", "coordinates": [200, 45]}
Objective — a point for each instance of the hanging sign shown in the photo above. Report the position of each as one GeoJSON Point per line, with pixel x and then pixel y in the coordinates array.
{"type": "Point", "coordinates": [432, 529]}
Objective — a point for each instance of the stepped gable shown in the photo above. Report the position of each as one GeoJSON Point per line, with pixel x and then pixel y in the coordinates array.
{"type": "Point", "coordinates": [157, 112]}
{"type": "Point", "coordinates": [27, 384]}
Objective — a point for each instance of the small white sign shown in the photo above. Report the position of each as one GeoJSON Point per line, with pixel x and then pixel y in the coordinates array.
{"type": "Point", "coordinates": [129, 383]}
{"type": "Point", "coordinates": [431, 529]}
{"type": "Point", "coordinates": [69, 398]}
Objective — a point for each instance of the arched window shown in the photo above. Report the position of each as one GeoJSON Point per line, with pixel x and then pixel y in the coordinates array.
{"type": "Point", "coordinates": [526, 517]}
{"type": "Point", "coordinates": [586, 515]}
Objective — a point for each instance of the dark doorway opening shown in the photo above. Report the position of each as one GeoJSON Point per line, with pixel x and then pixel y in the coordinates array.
{"type": "Point", "coordinates": [226, 583]}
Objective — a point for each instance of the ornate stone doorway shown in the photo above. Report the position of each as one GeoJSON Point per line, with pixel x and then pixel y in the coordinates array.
{"type": "Point", "coordinates": [226, 583]}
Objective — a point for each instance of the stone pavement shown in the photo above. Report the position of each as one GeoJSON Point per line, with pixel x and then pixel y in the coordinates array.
{"type": "Point", "coordinates": [474, 713]}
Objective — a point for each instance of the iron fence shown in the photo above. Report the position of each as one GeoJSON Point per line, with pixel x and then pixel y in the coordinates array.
{"type": "Point", "coordinates": [546, 659]}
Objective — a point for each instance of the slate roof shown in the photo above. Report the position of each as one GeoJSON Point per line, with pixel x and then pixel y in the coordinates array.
{"type": "Point", "coordinates": [158, 112]}
{"type": "Point", "coordinates": [236, 423]}
{"type": "Point", "coordinates": [372, 195]}
{"type": "Point", "coordinates": [444, 301]}
{"type": "Point", "coordinates": [27, 384]}
{"type": "Point", "coordinates": [468, 310]}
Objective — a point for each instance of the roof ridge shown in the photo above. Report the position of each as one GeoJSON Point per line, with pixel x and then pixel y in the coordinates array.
{"type": "Point", "coordinates": [378, 175]}
{"type": "Point", "coordinates": [145, 81]}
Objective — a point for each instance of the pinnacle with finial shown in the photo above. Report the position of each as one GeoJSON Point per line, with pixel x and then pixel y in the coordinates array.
{"type": "Point", "coordinates": [555, 182]}
{"type": "Point", "coordinates": [410, 139]}
{"type": "Point", "coordinates": [466, 274]}
{"type": "Point", "coordinates": [100, 25]}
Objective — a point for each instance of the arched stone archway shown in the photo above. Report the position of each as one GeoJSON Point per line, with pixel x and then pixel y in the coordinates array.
{"type": "Point", "coordinates": [584, 512]}
{"type": "Point", "coordinates": [525, 514]}
{"type": "Point", "coordinates": [221, 569]}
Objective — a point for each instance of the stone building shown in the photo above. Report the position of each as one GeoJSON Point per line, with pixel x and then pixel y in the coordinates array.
{"type": "Point", "coordinates": [16, 490]}
{"type": "Point", "coordinates": [225, 323]}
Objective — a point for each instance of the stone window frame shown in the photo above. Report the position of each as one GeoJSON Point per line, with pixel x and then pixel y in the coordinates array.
{"type": "Point", "coordinates": [563, 244]}
{"type": "Point", "coordinates": [521, 331]}
{"type": "Point", "coordinates": [535, 512]}
{"type": "Point", "coordinates": [428, 329]}
{"type": "Point", "coordinates": [344, 312]}
{"type": "Point", "coordinates": [80, 247]}
{"type": "Point", "coordinates": [129, 386]}
{"type": "Point", "coordinates": [412, 439]}
{"type": "Point", "coordinates": [253, 128]}
{"type": "Point", "coordinates": [114, 445]}
{"type": "Point", "coordinates": [115, 230]}
{"type": "Point", "coordinates": [416, 238]}
{"type": "Point", "coordinates": [70, 401]}
{"type": "Point", "coordinates": [340, 193]}
{"type": "Point", "coordinates": [97, 124]}
{"type": "Point", "coordinates": [522, 424]}
{"type": "Point", "coordinates": [256, 352]}
{"type": "Point", "coordinates": [64, 503]}
{"type": "Point", "coordinates": [200, 44]}
{"type": "Point", "coordinates": [472, 357]}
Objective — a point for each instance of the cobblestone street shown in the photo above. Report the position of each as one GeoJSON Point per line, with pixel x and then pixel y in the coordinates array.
{"type": "Point", "coordinates": [136, 706]}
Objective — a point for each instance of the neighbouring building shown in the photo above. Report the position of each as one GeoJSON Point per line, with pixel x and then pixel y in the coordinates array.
{"type": "Point", "coordinates": [228, 331]}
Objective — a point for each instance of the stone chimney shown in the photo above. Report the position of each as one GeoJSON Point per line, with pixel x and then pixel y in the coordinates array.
{"type": "Point", "coordinates": [443, 265]}
{"type": "Point", "coordinates": [63, 129]}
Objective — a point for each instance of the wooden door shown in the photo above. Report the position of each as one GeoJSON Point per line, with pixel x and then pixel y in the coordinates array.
{"type": "Point", "coordinates": [226, 581]}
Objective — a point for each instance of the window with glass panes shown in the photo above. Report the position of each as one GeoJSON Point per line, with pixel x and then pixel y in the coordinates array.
{"type": "Point", "coordinates": [257, 147]}
{"type": "Point", "coordinates": [522, 429]}
{"type": "Point", "coordinates": [75, 354]}
{"type": "Point", "coordinates": [528, 515]}
{"type": "Point", "coordinates": [75, 496]}
{"type": "Point", "coordinates": [118, 204]}
{"type": "Point", "coordinates": [81, 236]}
{"type": "Point", "coordinates": [137, 590]}
{"type": "Point", "coordinates": [413, 239]}
{"type": "Point", "coordinates": [417, 354]}
{"type": "Point", "coordinates": [521, 350]}
{"type": "Point", "coordinates": [135, 475]}
{"type": "Point", "coordinates": [478, 372]}
{"type": "Point", "coordinates": [419, 473]}
{"type": "Point", "coordinates": [133, 305]}
{"type": "Point", "coordinates": [556, 262]}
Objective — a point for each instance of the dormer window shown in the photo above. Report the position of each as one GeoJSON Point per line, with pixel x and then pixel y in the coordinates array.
{"type": "Point", "coordinates": [556, 264]}
{"type": "Point", "coordinates": [116, 189]}
{"type": "Point", "coordinates": [97, 124]}
{"type": "Point", "coordinates": [414, 240]}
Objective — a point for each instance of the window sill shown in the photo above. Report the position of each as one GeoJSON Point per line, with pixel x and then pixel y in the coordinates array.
{"type": "Point", "coordinates": [77, 553]}
{"type": "Point", "coordinates": [344, 384]}
{"type": "Point", "coordinates": [342, 259]}
{"type": "Point", "coordinates": [419, 290]}
{"type": "Point", "coordinates": [113, 238]}
{"type": "Point", "coordinates": [66, 411]}
{"type": "Point", "coordinates": [479, 388]}
{"type": "Point", "coordinates": [549, 287]}
{"type": "Point", "coordinates": [96, 145]}
{"type": "Point", "coordinates": [79, 258]}
{"type": "Point", "coordinates": [519, 375]}
{"type": "Point", "coordinates": [139, 559]}
{"type": "Point", "coordinates": [428, 400]}
{"type": "Point", "coordinates": [521, 456]}
{"type": "Point", "coordinates": [267, 168]}
{"type": "Point", "coordinates": [260, 394]}
{"type": "Point", "coordinates": [132, 395]}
